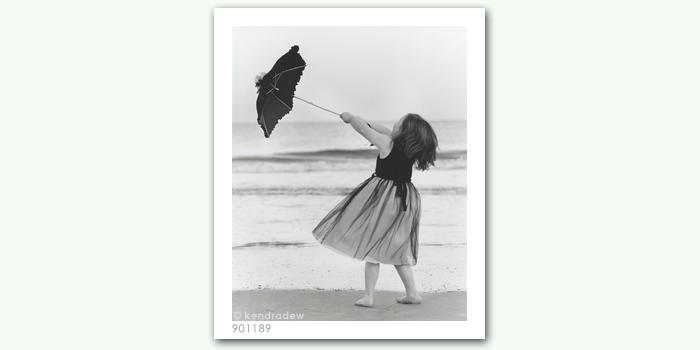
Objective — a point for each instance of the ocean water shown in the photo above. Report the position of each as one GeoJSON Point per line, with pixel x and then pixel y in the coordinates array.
{"type": "Point", "coordinates": [304, 147]}
{"type": "Point", "coordinates": [304, 169]}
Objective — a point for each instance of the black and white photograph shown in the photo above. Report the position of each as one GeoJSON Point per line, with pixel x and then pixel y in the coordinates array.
{"type": "Point", "coordinates": [349, 173]}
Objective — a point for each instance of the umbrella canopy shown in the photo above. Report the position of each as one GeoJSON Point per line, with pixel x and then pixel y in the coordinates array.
{"type": "Point", "coordinates": [276, 89]}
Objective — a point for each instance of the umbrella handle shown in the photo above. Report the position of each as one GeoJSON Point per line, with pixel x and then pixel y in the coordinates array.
{"type": "Point", "coordinates": [327, 110]}
{"type": "Point", "coordinates": [315, 105]}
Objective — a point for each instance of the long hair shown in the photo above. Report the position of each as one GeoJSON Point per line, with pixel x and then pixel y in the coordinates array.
{"type": "Point", "coordinates": [418, 141]}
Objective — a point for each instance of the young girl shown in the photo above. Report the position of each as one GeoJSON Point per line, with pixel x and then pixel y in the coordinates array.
{"type": "Point", "coordinates": [378, 221]}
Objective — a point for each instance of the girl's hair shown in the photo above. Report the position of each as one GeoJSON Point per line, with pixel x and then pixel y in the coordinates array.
{"type": "Point", "coordinates": [418, 141]}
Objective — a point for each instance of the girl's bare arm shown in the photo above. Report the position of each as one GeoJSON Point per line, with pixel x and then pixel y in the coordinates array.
{"type": "Point", "coordinates": [376, 127]}
{"type": "Point", "coordinates": [381, 141]}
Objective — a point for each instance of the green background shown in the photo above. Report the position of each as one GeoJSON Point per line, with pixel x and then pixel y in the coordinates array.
{"type": "Point", "coordinates": [106, 185]}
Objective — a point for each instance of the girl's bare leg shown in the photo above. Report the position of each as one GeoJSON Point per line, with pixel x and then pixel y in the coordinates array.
{"type": "Point", "coordinates": [406, 274]}
{"type": "Point", "coordinates": [371, 275]}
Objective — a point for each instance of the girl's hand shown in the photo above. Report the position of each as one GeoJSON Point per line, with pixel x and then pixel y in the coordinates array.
{"type": "Point", "coordinates": [345, 116]}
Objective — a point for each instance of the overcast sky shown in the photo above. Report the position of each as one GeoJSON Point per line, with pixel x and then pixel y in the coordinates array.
{"type": "Point", "coordinates": [380, 73]}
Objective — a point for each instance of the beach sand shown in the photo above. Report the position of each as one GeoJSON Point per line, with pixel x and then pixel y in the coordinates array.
{"type": "Point", "coordinates": [314, 305]}
{"type": "Point", "coordinates": [315, 267]}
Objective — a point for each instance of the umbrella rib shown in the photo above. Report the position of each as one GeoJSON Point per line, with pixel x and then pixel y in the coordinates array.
{"type": "Point", "coordinates": [278, 75]}
{"type": "Point", "coordinates": [262, 120]}
{"type": "Point", "coordinates": [264, 125]}
{"type": "Point", "coordinates": [278, 99]}
{"type": "Point", "coordinates": [285, 71]}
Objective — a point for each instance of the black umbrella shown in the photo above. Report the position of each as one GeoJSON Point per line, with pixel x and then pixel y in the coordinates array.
{"type": "Point", "coordinates": [276, 90]}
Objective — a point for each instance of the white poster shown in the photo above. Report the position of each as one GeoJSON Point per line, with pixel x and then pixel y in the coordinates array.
{"type": "Point", "coordinates": [349, 173]}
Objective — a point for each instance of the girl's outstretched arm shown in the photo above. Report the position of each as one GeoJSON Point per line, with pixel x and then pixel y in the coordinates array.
{"type": "Point", "coordinates": [376, 127]}
{"type": "Point", "coordinates": [381, 141]}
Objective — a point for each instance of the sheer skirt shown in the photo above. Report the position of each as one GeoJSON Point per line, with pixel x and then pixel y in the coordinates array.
{"type": "Point", "coordinates": [377, 222]}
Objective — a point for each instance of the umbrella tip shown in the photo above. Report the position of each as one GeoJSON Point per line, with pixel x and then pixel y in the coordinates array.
{"type": "Point", "coordinates": [295, 48]}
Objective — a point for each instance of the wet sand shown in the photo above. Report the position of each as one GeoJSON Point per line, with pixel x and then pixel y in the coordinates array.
{"type": "Point", "coordinates": [315, 305]}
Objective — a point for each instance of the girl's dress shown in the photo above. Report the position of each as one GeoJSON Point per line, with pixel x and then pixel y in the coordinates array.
{"type": "Point", "coordinates": [378, 221]}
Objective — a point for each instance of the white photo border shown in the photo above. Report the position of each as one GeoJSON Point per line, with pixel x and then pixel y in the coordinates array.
{"type": "Point", "coordinates": [474, 19]}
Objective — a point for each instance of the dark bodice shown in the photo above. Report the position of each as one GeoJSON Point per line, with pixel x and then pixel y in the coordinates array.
{"type": "Point", "coordinates": [396, 166]}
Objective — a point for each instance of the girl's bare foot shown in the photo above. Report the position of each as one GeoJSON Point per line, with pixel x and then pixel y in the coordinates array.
{"type": "Point", "coordinates": [364, 302]}
{"type": "Point", "coordinates": [409, 299]}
